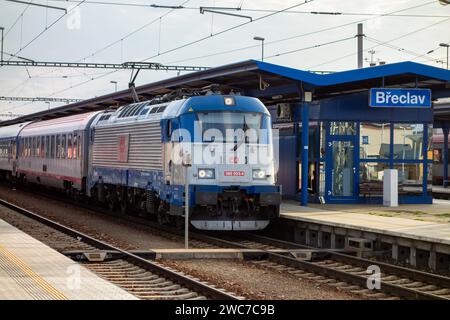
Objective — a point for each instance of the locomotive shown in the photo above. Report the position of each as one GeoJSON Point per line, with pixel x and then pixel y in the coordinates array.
{"type": "Point", "coordinates": [141, 158]}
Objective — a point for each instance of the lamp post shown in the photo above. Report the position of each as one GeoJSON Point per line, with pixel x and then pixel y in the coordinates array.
{"type": "Point", "coordinates": [115, 85]}
{"type": "Point", "coordinates": [445, 45]}
{"type": "Point", "coordinates": [262, 46]}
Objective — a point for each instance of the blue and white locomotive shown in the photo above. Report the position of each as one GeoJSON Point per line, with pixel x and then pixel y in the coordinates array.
{"type": "Point", "coordinates": [140, 157]}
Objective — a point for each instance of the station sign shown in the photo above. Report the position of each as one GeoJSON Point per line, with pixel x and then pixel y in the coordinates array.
{"type": "Point", "coordinates": [400, 98]}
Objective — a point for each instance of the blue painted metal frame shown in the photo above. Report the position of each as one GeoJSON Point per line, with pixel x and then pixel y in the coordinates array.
{"type": "Point", "coordinates": [305, 153]}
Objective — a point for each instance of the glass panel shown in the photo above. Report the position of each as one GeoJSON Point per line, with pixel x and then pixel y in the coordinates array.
{"type": "Point", "coordinates": [342, 175]}
{"type": "Point", "coordinates": [410, 177]}
{"type": "Point", "coordinates": [374, 140]}
{"type": "Point", "coordinates": [322, 179]}
{"type": "Point", "coordinates": [371, 178]}
{"type": "Point", "coordinates": [342, 128]}
{"type": "Point", "coordinates": [408, 141]}
{"type": "Point", "coordinates": [323, 142]}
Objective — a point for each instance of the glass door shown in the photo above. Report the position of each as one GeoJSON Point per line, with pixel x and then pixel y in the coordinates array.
{"type": "Point", "coordinates": [341, 169]}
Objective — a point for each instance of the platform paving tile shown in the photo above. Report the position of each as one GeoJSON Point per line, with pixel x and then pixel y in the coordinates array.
{"type": "Point", "coordinates": [31, 270]}
{"type": "Point", "coordinates": [414, 229]}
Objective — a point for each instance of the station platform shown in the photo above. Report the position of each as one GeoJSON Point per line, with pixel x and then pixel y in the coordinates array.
{"type": "Point", "coordinates": [362, 220]}
{"type": "Point", "coordinates": [30, 270]}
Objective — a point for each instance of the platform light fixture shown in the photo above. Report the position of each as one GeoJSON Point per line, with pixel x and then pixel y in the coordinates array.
{"type": "Point", "coordinates": [445, 45]}
{"type": "Point", "coordinates": [115, 84]}
{"type": "Point", "coordinates": [262, 45]}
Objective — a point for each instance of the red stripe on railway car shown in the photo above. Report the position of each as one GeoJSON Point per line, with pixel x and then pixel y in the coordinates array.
{"type": "Point", "coordinates": [50, 175]}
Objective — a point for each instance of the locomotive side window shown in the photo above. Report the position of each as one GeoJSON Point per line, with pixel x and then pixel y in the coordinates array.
{"type": "Point", "coordinates": [169, 129]}
{"type": "Point", "coordinates": [69, 146]}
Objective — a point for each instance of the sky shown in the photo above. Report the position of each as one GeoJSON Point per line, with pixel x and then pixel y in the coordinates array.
{"type": "Point", "coordinates": [117, 31]}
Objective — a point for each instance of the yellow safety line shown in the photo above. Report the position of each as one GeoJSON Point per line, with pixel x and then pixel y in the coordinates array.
{"type": "Point", "coordinates": [55, 293]}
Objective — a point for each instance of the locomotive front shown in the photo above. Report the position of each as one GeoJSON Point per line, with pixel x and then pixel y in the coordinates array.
{"type": "Point", "coordinates": [222, 147]}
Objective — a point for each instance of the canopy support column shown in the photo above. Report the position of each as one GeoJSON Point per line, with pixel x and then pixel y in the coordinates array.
{"type": "Point", "coordinates": [445, 130]}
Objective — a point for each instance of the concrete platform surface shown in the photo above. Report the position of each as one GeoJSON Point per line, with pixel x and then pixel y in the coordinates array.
{"type": "Point", "coordinates": [30, 270]}
{"type": "Point", "coordinates": [394, 226]}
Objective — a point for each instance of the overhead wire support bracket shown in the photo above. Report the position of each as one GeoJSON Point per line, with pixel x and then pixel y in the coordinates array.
{"type": "Point", "coordinates": [207, 9]}
{"type": "Point", "coordinates": [43, 99]}
{"type": "Point", "coordinates": [39, 5]}
{"type": "Point", "coordinates": [126, 65]}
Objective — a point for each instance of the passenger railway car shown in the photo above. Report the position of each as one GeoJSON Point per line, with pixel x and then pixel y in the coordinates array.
{"type": "Point", "coordinates": [8, 149]}
{"type": "Point", "coordinates": [54, 152]}
{"type": "Point", "coordinates": [438, 158]}
{"type": "Point", "coordinates": [140, 157]}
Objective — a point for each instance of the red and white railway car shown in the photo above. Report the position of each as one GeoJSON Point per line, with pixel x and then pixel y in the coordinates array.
{"type": "Point", "coordinates": [53, 152]}
{"type": "Point", "coordinates": [8, 138]}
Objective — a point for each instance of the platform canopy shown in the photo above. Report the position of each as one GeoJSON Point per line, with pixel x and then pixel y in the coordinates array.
{"type": "Point", "coordinates": [269, 82]}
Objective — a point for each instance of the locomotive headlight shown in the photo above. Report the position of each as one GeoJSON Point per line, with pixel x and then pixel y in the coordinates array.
{"type": "Point", "coordinates": [206, 173]}
{"type": "Point", "coordinates": [229, 101]}
{"type": "Point", "coordinates": [259, 174]}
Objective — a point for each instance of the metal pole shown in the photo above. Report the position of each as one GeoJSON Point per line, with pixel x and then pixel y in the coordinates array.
{"type": "Point", "coordinates": [1, 28]}
{"type": "Point", "coordinates": [447, 56]}
{"type": "Point", "coordinates": [360, 45]}
{"type": "Point", "coordinates": [305, 148]}
{"type": "Point", "coordinates": [186, 210]}
{"type": "Point", "coordinates": [445, 131]}
{"type": "Point", "coordinates": [262, 52]}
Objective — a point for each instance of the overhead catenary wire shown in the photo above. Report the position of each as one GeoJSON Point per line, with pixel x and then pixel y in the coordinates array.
{"type": "Point", "coordinates": [380, 44]}
{"type": "Point", "coordinates": [256, 10]}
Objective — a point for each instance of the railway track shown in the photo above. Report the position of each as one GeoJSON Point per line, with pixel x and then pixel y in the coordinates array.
{"type": "Point", "coordinates": [143, 278]}
{"type": "Point", "coordinates": [347, 271]}
{"type": "Point", "coordinates": [341, 270]}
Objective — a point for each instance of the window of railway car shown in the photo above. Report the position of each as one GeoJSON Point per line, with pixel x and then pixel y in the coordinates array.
{"type": "Point", "coordinates": [437, 156]}
{"type": "Point", "coordinates": [58, 146]}
{"type": "Point", "coordinates": [69, 146]}
{"type": "Point", "coordinates": [224, 121]}
{"type": "Point", "coordinates": [80, 144]}
{"type": "Point", "coordinates": [42, 150]}
{"type": "Point", "coordinates": [63, 146]}
{"type": "Point", "coordinates": [38, 146]}
{"type": "Point", "coordinates": [33, 146]}
{"type": "Point", "coordinates": [74, 146]}
{"type": "Point", "coordinates": [52, 147]}
{"type": "Point", "coordinates": [47, 146]}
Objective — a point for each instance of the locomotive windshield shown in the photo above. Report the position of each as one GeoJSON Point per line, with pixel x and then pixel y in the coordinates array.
{"type": "Point", "coordinates": [225, 126]}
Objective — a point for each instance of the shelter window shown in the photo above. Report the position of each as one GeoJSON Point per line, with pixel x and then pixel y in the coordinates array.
{"type": "Point", "coordinates": [342, 128]}
{"type": "Point", "coordinates": [408, 141]}
{"type": "Point", "coordinates": [375, 140]}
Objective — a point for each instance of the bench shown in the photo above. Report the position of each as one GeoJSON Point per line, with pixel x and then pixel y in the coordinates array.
{"type": "Point", "coordinates": [375, 188]}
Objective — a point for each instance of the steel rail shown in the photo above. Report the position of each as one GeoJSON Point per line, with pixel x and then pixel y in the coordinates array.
{"type": "Point", "coordinates": [185, 281]}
